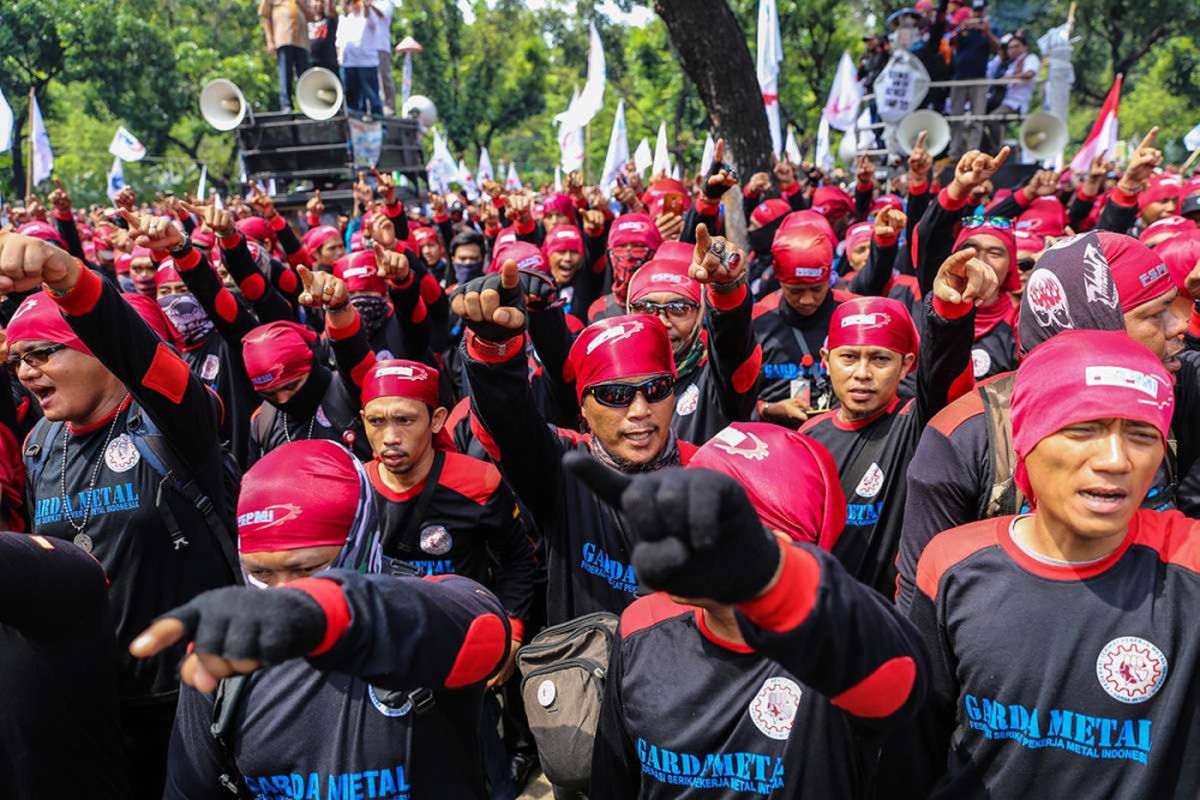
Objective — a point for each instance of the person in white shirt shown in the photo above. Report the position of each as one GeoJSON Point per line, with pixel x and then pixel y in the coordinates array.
{"type": "Point", "coordinates": [1023, 65]}
{"type": "Point", "coordinates": [358, 56]}
{"type": "Point", "coordinates": [382, 31]}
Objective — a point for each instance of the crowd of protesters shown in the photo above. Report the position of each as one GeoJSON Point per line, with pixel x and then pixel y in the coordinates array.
{"type": "Point", "coordinates": [896, 501]}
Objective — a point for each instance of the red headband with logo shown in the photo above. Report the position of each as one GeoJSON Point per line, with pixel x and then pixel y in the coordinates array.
{"type": "Point", "coordinates": [277, 353]}
{"type": "Point", "coordinates": [664, 275]}
{"type": "Point", "coordinates": [399, 378]}
{"type": "Point", "coordinates": [803, 254]}
{"type": "Point", "coordinates": [619, 347]}
{"type": "Point", "coordinates": [873, 322]}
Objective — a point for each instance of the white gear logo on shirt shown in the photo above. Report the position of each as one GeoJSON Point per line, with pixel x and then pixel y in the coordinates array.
{"type": "Point", "coordinates": [1131, 669]}
{"type": "Point", "coordinates": [436, 540]}
{"type": "Point", "coordinates": [871, 483]}
{"type": "Point", "coordinates": [981, 362]}
{"type": "Point", "coordinates": [773, 709]}
{"type": "Point", "coordinates": [210, 368]}
{"type": "Point", "coordinates": [688, 401]}
{"type": "Point", "coordinates": [121, 455]}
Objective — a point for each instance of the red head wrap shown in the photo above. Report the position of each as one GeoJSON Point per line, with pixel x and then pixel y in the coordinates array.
{"type": "Point", "coordinates": [873, 322]}
{"type": "Point", "coordinates": [152, 314]}
{"type": "Point", "coordinates": [832, 202]}
{"type": "Point", "coordinates": [768, 211]}
{"type": "Point", "coordinates": [358, 271]}
{"type": "Point", "coordinates": [791, 479]}
{"type": "Point", "coordinates": [320, 235]}
{"type": "Point", "coordinates": [258, 229]}
{"type": "Point", "coordinates": [664, 275]}
{"type": "Point", "coordinates": [399, 378]}
{"type": "Point", "coordinates": [1138, 271]}
{"type": "Point", "coordinates": [167, 273]}
{"type": "Point", "coordinates": [422, 236]}
{"type": "Point", "coordinates": [204, 238]}
{"type": "Point", "coordinates": [808, 217]}
{"type": "Point", "coordinates": [562, 238]}
{"type": "Point", "coordinates": [38, 319]}
{"type": "Point", "coordinates": [638, 229]}
{"type": "Point", "coordinates": [1028, 242]}
{"type": "Point", "coordinates": [676, 251]}
{"type": "Point", "coordinates": [1079, 376]}
{"type": "Point", "coordinates": [1163, 188]}
{"type": "Point", "coordinates": [1045, 216]}
{"type": "Point", "coordinates": [277, 353]}
{"type": "Point", "coordinates": [1012, 281]}
{"type": "Point", "coordinates": [886, 201]}
{"type": "Point", "coordinates": [858, 233]}
{"type": "Point", "coordinates": [44, 231]}
{"type": "Point", "coordinates": [619, 347]}
{"type": "Point", "coordinates": [559, 203]}
{"type": "Point", "coordinates": [358, 242]}
{"type": "Point", "coordinates": [1165, 228]}
{"type": "Point", "coordinates": [1180, 254]}
{"type": "Point", "coordinates": [803, 254]}
{"type": "Point", "coordinates": [527, 256]}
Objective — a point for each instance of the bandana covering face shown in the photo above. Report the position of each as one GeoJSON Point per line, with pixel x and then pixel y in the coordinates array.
{"type": "Point", "coordinates": [38, 319]}
{"type": "Point", "coordinates": [803, 254]}
{"type": "Point", "coordinates": [1105, 374]}
{"type": "Point", "coordinates": [619, 347]}
{"type": "Point", "coordinates": [187, 317]}
{"type": "Point", "coordinates": [791, 479]}
{"type": "Point", "coordinates": [310, 493]}
{"type": "Point", "coordinates": [277, 353]}
{"type": "Point", "coordinates": [374, 312]}
{"type": "Point", "coordinates": [873, 322]}
{"type": "Point", "coordinates": [399, 378]}
{"type": "Point", "coordinates": [635, 229]}
{"type": "Point", "coordinates": [664, 275]}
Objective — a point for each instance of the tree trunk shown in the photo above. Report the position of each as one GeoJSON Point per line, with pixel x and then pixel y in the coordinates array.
{"type": "Point", "coordinates": [713, 50]}
{"type": "Point", "coordinates": [19, 153]}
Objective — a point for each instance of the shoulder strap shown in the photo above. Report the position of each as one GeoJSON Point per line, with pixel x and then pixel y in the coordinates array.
{"type": "Point", "coordinates": [37, 448]}
{"type": "Point", "coordinates": [229, 692]}
{"type": "Point", "coordinates": [1004, 497]}
{"type": "Point", "coordinates": [418, 512]}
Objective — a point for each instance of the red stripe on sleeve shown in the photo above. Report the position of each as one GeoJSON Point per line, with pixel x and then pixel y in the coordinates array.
{"type": "Point", "coordinates": [332, 600]}
{"type": "Point", "coordinates": [288, 281]}
{"type": "Point", "coordinates": [949, 203]}
{"type": "Point", "coordinates": [745, 375]}
{"type": "Point", "coordinates": [277, 222]}
{"type": "Point", "coordinates": [481, 651]}
{"type": "Point", "coordinates": [881, 693]}
{"type": "Point", "coordinates": [947, 310]}
{"type": "Point", "coordinates": [190, 260]}
{"type": "Point", "coordinates": [518, 629]}
{"type": "Point", "coordinates": [168, 374]}
{"type": "Point", "coordinates": [226, 305]}
{"type": "Point", "coordinates": [430, 290]}
{"type": "Point", "coordinates": [83, 296]}
{"type": "Point", "coordinates": [789, 603]}
{"type": "Point", "coordinates": [254, 286]}
{"type": "Point", "coordinates": [231, 241]}
{"type": "Point", "coordinates": [1123, 198]}
{"type": "Point", "coordinates": [419, 312]}
{"type": "Point", "coordinates": [338, 334]}
{"type": "Point", "coordinates": [725, 302]}
{"type": "Point", "coordinates": [359, 373]}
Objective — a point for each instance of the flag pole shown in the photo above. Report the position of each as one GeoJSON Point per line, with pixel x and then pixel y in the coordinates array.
{"type": "Point", "coordinates": [29, 164]}
{"type": "Point", "coordinates": [1191, 160]}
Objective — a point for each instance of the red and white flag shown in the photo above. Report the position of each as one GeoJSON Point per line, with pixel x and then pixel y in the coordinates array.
{"type": "Point", "coordinates": [770, 53]}
{"type": "Point", "coordinates": [1102, 141]}
{"type": "Point", "coordinates": [845, 95]}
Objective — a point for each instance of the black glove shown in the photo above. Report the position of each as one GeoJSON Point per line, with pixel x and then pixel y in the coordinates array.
{"type": "Point", "coordinates": [540, 291]}
{"type": "Point", "coordinates": [512, 298]}
{"type": "Point", "coordinates": [717, 191]}
{"type": "Point", "coordinates": [268, 625]}
{"type": "Point", "coordinates": [697, 534]}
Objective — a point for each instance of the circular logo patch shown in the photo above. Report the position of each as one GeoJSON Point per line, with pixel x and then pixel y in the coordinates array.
{"type": "Point", "coordinates": [384, 704]}
{"type": "Point", "coordinates": [384, 355]}
{"type": "Point", "coordinates": [981, 362]}
{"type": "Point", "coordinates": [436, 540]}
{"type": "Point", "coordinates": [322, 419]}
{"type": "Point", "coordinates": [871, 483]}
{"type": "Point", "coordinates": [210, 367]}
{"type": "Point", "coordinates": [1131, 669]}
{"type": "Point", "coordinates": [773, 709]}
{"type": "Point", "coordinates": [546, 693]}
{"type": "Point", "coordinates": [688, 401]}
{"type": "Point", "coordinates": [121, 454]}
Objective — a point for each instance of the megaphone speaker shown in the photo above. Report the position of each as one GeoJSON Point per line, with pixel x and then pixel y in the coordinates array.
{"type": "Point", "coordinates": [1043, 135]}
{"type": "Point", "coordinates": [420, 108]}
{"type": "Point", "coordinates": [319, 93]}
{"type": "Point", "coordinates": [937, 132]}
{"type": "Point", "coordinates": [222, 104]}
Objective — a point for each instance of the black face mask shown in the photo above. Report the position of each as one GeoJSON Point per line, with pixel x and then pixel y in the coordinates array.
{"type": "Point", "coordinates": [304, 403]}
{"type": "Point", "coordinates": [762, 239]}
{"type": "Point", "coordinates": [373, 311]}
{"type": "Point", "coordinates": [187, 317]}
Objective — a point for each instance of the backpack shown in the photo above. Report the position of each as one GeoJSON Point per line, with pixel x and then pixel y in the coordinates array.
{"type": "Point", "coordinates": [157, 451]}
{"type": "Point", "coordinates": [563, 670]}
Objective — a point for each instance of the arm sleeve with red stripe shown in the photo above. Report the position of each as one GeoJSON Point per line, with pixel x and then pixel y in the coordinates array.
{"type": "Point", "coordinates": [734, 354]}
{"type": "Point", "coordinates": [407, 633]}
{"type": "Point", "coordinates": [528, 454]}
{"type": "Point", "coordinates": [944, 370]}
{"type": "Point", "coordinates": [840, 637]}
{"type": "Point", "coordinates": [692, 218]}
{"type": "Point", "coordinates": [177, 400]}
{"type": "Point", "coordinates": [353, 355]}
{"type": "Point", "coordinates": [1079, 210]}
{"type": "Point", "coordinates": [1116, 217]}
{"type": "Point", "coordinates": [933, 239]}
{"type": "Point", "coordinates": [230, 317]}
{"type": "Point", "coordinates": [411, 311]}
{"type": "Point", "coordinates": [269, 304]}
{"type": "Point", "coordinates": [874, 276]}
{"type": "Point", "coordinates": [399, 220]}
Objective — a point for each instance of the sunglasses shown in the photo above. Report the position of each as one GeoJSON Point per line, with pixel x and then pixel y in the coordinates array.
{"type": "Point", "coordinates": [1002, 223]}
{"type": "Point", "coordinates": [1025, 264]}
{"type": "Point", "coordinates": [676, 309]}
{"type": "Point", "coordinates": [34, 358]}
{"type": "Point", "coordinates": [621, 395]}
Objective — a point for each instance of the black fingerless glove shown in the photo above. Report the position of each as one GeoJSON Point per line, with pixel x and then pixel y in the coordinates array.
{"type": "Point", "coordinates": [512, 298]}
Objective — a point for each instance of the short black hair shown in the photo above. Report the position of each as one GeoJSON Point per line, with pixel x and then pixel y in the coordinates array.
{"type": "Point", "coordinates": [465, 238]}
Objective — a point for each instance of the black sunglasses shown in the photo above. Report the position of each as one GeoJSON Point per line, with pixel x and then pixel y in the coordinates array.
{"type": "Point", "coordinates": [34, 358]}
{"type": "Point", "coordinates": [621, 395]}
{"type": "Point", "coordinates": [1025, 264]}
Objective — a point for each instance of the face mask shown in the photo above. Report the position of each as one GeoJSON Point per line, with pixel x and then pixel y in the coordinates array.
{"type": "Point", "coordinates": [467, 270]}
{"type": "Point", "coordinates": [127, 285]}
{"type": "Point", "coordinates": [623, 267]}
{"type": "Point", "coordinates": [187, 317]}
{"type": "Point", "coordinates": [372, 310]}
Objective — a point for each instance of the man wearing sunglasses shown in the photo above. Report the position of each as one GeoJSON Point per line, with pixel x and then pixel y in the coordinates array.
{"type": "Point", "coordinates": [623, 371]}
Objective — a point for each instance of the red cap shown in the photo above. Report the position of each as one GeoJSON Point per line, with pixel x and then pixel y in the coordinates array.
{"type": "Point", "coordinates": [873, 322]}
{"type": "Point", "coordinates": [832, 202]}
{"type": "Point", "coordinates": [1166, 227]}
{"type": "Point", "coordinates": [44, 231]}
{"type": "Point", "coordinates": [791, 479]}
{"type": "Point", "coordinates": [1079, 376]}
{"type": "Point", "coordinates": [1161, 188]}
{"type": "Point", "coordinates": [1012, 281]}
{"type": "Point", "coordinates": [803, 254]}
{"type": "Point", "coordinates": [167, 273]}
{"type": "Point", "coordinates": [320, 235]}
{"type": "Point", "coordinates": [256, 228]}
{"type": "Point", "coordinates": [634, 229]}
{"type": "Point", "coordinates": [663, 275]}
{"type": "Point", "coordinates": [1044, 216]}
{"type": "Point", "coordinates": [398, 378]}
{"type": "Point", "coordinates": [38, 319]}
{"type": "Point", "coordinates": [1180, 254]}
{"type": "Point", "coordinates": [1138, 271]}
{"type": "Point", "coordinates": [304, 494]}
{"type": "Point", "coordinates": [858, 233]}
{"type": "Point", "coordinates": [559, 203]}
{"type": "Point", "coordinates": [277, 353]}
{"type": "Point", "coordinates": [658, 191]}
{"type": "Point", "coordinates": [1028, 242]}
{"type": "Point", "coordinates": [358, 270]}
{"type": "Point", "coordinates": [562, 238]}
{"type": "Point", "coordinates": [768, 211]}
{"type": "Point", "coordinates": [619, 347]}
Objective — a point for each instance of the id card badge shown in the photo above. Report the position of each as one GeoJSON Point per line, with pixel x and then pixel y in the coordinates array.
{"type": "Point", "coordinates": [801, 389]}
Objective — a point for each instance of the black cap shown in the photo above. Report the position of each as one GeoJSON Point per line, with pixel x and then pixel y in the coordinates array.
{"type": "Point", "coordinates": [1190, 207]}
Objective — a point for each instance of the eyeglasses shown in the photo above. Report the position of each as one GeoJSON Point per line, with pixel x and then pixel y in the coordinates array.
{"type": "Point", "coordinates": [676, 309]}
{"type": "Point", "coordinates": [1002, 223]}
{"type": "Point", "coordinates": [621, 395]}
{"type": "Point", "coordinates": [631, 251]}
{"type": "Point", "coordinates": [34, 358]}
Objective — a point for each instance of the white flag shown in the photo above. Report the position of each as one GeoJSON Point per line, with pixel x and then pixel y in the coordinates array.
{"type": "Point", "coordinates": [116, 179]}
{"type": "Point", "coordinates": [844, 95]}
{"type": "Point", "coordinates": [642, 157]}
{"type": "Point", "coordinates": [442, 168]}
{"type": "Point", "coordinates": [6, 124]}
{"type": "Point", "coordinates": [558, 179]}
{"type": "Point", "coordinates": [824, 155]}
{"type": "Point", "coordinates": [43, 156]}
{"type": "Point", "coordinates": [585, 105]}
{"type": "Point", "coordinates": [218, 202]}
{"type": "Point", "coordinates": [662, 158]}
{"type": "Point", "coordinates": [675, 171]}
{"type": "Point", "coordinates": [1191, 139]}
{"type": "Point", "coordinates": [770, 54]}
{"type": "Point", "coordinates": [618, 148]}
{"type": "Point", "coordinates": [126, 147]}
{"type": "Point", "coordinates": [270, 187]}
{"type": "Point", "coordinates": [468, 181]}
{"type": "Point", "coordinates": [484, 172]}
{"type": "Point", "coordinates": [512, 180]}
{"type": "Point", "coordinates": [203, 181]}
{"type": "Point", "coordinates": [570, 137]}
{"type": "Point", "coordinates": [791, 149]}
{"type": "Point", "coordinates": [710, 152]}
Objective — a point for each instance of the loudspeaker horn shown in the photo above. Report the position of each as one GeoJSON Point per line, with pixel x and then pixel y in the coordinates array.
{"type": "Point", "coordinates": [319, 93]}
{"type": "Point", "coordinates": [1043, 135]}
{"type": "Point", "coordinates": [222, 104]}
{"type": "Point", "coordinates": [937, 132]}
{"type": "Point", "coordinates": [420, 108]}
